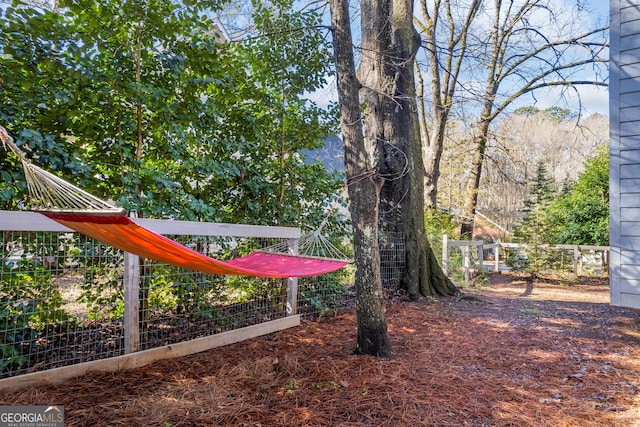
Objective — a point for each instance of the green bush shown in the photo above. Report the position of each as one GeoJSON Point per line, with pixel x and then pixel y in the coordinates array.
{"type": "Point", "coordinates": [17, 336]}
{"type": "Point", "coordinates": [29, 301]}
{"type": "Point", "coordinates": [323, 295]}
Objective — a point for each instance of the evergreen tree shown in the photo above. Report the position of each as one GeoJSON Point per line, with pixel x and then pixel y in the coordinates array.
{"type": "Point", "coordinates": [534, 229]}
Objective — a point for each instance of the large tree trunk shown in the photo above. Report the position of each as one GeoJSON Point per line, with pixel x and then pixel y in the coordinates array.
{"type": "Point", "coordinates": [364, 192]}
{"type": "Point", "coordinates": [473, 184]}
{"type": "Point", "coordinates": [389, 45]}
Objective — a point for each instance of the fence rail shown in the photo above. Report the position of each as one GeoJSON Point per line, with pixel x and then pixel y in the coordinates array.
{"type": "Point", "coordinates": [69, 303]}
{"type": "Point", "coordinates": [473, 255]}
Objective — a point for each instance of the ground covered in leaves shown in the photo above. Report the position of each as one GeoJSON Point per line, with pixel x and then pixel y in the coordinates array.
{"type": "Point", "coordinates": [510, 353]}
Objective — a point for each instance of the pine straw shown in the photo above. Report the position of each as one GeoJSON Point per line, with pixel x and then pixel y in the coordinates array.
{"type": "Point", "coordinates": [451, 368]}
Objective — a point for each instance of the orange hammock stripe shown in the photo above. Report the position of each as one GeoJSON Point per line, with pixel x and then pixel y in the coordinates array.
{"type": "Point", "coordinates": [122, 233]}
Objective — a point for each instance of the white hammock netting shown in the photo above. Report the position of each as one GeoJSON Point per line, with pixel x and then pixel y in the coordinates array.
{"type": "Point", "coordinates": [50, 193]}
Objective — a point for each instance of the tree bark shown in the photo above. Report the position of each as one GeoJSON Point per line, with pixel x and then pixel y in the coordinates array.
{"type": "Point", "coordinates": [467, 222]}
{"type": "Point", "coordinates": [433, 155]}
{"type": "Point", "coordinates": [364, 192]}
{"type": "Point", "coordinates": [389, 45]}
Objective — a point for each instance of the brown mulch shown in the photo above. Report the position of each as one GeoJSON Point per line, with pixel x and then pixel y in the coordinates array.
{"type": "Point", "coordinates": [511, 353]}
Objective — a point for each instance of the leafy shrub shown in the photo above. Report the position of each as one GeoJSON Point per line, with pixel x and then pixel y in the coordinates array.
{"type": "Point", "coordinates": [102, 291]}
{"type": "Point", "coordinates": [17, 336]}
{"type": "Point", "coordinates": [29, 300]}
{"type": "Point", "coordinates": [324, 294]}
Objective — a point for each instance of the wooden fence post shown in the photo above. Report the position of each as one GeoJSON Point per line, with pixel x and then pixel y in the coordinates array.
{"type": "Point", "coordinates": [496, 257]}
{"type": "Point", "coordinates": [576, 258]}
{"type": "Point", "coordinates": [580, 261]}
{"type": "Point", "coordinates": [292, 283]}
{"type": "Point", "coordinates": [131, 283]}
{"type": "Point", "coordinates": [466, 263]}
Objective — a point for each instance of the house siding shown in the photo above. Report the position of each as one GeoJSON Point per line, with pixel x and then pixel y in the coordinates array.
{"type": "Point", "coordinates": [624, 110]}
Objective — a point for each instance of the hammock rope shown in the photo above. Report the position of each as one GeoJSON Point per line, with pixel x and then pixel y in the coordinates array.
{"type": "Point", "coordinates": [312, 245]}
{"type": "Point", "coordinates": [82, 212]}
{"type": "Point", "coordinates": [50, 193]}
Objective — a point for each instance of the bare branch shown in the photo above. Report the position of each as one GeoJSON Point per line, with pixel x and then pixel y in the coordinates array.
{"type": "Point", "coordinates": [574, 41]}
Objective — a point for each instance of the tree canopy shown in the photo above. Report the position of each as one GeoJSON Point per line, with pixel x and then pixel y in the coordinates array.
{"type": "Point", "coordinates": [144, 103]}
{"type": "Point", "coordinates": [582, 215]}
{"type": "Point", "coordinates": [577, 216]}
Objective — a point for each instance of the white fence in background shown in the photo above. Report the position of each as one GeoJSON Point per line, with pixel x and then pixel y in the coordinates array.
{"type": "Point", "coordinates": [493, 256]}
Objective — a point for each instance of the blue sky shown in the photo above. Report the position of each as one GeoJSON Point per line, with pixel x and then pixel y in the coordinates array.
{"type": "Point", "coordinates": [592, 99]}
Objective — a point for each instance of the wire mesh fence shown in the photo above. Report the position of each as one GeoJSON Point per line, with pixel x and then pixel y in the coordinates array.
{"type": "Point", "coordinates": [63, 299]}
{"type": "Point", "coordinates": [46, 318]}
{"type": "Point", "coordinates": [392, 259]}
{"type": "Point", "coordinates": [177, 305]}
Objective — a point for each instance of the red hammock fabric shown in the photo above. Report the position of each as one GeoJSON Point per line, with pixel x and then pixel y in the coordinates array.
{"type": "Point", "coordinates": [122, 233]}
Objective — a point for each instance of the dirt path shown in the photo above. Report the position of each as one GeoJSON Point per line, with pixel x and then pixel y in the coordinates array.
{"type": "Point", "coordinates": [570, 306]}
{"type": "Point", "coordinates": [510, 354]}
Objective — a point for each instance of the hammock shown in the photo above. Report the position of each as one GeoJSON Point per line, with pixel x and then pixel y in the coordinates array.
{"type": "Point", "coordinates": [97, 219]}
